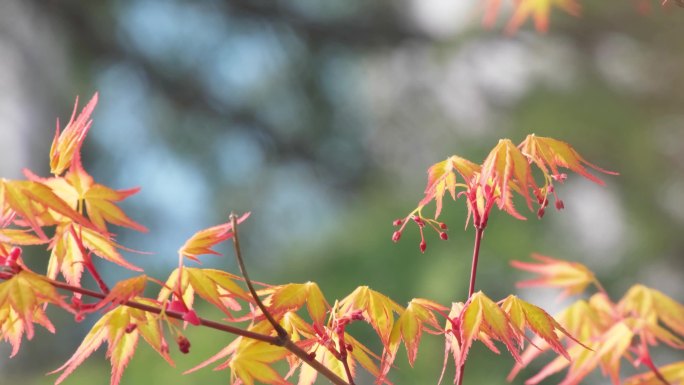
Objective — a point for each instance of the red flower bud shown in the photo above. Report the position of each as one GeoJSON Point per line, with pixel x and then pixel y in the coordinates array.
{"type": "Point", "coordinates": [560, 205]}
{"type": "Point", "coordinates": [443, 235]}
{"type": "Point", "coordinates": [442, 226]}
{"type": "Point", "coordinates": [540, 212]}
{"type": "Point", "coordinates": [396, 236]}
{"type": "Point", "coordinates": [398, 222]}
{"type": "Point", "coordinates": [183, 344]}
{"type": "Point", "coordinates": [422, 246]}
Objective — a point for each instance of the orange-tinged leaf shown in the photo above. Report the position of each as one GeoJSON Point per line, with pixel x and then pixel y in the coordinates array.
{"type": "Point", "coordinates": [252, 362]}
{"type": "Point", "coordinates": [115, 328]}
{"type": "Point", "coordinates": [573, 277]}
{"type": "Point", "coordinates": [377, 309]}
{"type": "Point", "coordinates": [20, 237]}
{"type": "Point", "coordinates": [539, 10]}
{"type": "Point", "coordinates": [653, 307]}
{"type": "Point", "coordinates": [442, 178]}
{"type": "Point", "coordinates": [549, 154]}
{"type": "Point", "coordinates": [21, 305]}
{"type": "Point", "coordinates": [293, 296]}
{"type": "Point", "coordinates": [68, 143]}
{"type": "Point", "coordinates": [32, 200]}
{"type": "Point", "coordinates": [124, 291]}
{"type": "Point", "coordinates": [673, 373]}
{"type": "Point", "coordinates": [506, 170]}
{"type": "Point", "coordinates": [525, 315]}
{"type": "Point", "coordinates": [202, 241]}
{"type": "Point", "coordinates": [481, 314]}
{"type": "Point", "coordinates": [214, 286]}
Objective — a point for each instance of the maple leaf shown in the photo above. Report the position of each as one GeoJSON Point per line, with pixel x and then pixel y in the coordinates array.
{"type": "Point", "coordinates": [294, 295]}
{"type": "Point", "coordinates": [79, 189]}
{"type": "Point", "coordinates": [481, 314]}
{"type": "Point", "coordinates": [523, 314]}
{"type": "Point", "coordinates": [409, 327]}
{"type": "Point", "coordinates": [539, 10]}
{"type": "Point", "coordinates": [376, 308]}
{"type": "Point", "coordinates": [68, 143]}
{"type": "Point", "coordinates": [20, 237]}
{"type": "Point", "coordinates": [21, 305]}
{"type": "Point", "coordinates": [549, 154]}
{"type": "Point", "coordinates": [654, 307]}
{"type": "Point", "coordinates": [573, 277]}
{"type": "Point", "coordinates": [70, 243]}
{"type": "Point", "coordinates": [202, 241]}
{"type": "Point", "coordinates": [121, 328]}
{"type": "Point", "coordinates": [37, 204]}
{"type": "Point", "coordinates": [673, 373]}
{"type": "Point", "coordinates": [214, 286]}
{"type": "Point", "coordinates": [442, 177]}
{"type": "Point", "coordinates": [124, 291]}
{"type": "Point", "coordinates": [504, 171]}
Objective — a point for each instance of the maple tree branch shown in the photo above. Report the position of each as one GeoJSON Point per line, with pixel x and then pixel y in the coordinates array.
{"type": "Point", "coordinates": [282, 333]}
{"type": "Point", "coordinates": [287, 344]}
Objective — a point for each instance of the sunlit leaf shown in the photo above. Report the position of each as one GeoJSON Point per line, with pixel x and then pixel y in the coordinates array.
{"type": "Point", "coordinates": [21, 305]}
{"type": "Point", "coordinates": [573, 277]}
{"type": "Point", "coordinates": [294, 295]}
{"type": "Point", "coordinates": [120, 328]}
{"type": "Point", "coordinates": [673, 373]}
{"type": "Point", "coordinates": [442, 177]}
{"type": "Point", "coordinates": [68, 143]}
{"type": "Point", "coordinates": [378, 310]}
{"type": "Point", "coordinates": [202, 241]}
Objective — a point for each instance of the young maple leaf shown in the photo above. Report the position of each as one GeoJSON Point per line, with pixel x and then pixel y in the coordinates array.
{"type": "Point", "coordinates": [202, 241]}
{"type": "Point", "coordinates": [124, 291]}
{"type": "Point", "coordinates": [121, 327]}
{"type": "Point", "coordinates": [37, 205]}
{"type": "Point", "coordinates": [293, 296]}
{"type": "Point", "coordinates": [482, 315]}
{"type": "Point", "coordinates": [654, 307]}
{"type": "Point", "coordinates": [525, 315]}
{"type": "Point", "coordinates": [504, 171]}
{"type": "Point", "coordinates": [673, 373]}
{"type": "Point", "coordinates": [377, 309]}
{"type": "Point", "coordinates": [549, 154]}
{"type": "Point", "coordinates": [573, 277]}
{"type": "Point", "coordinates": [442, 178]}
{"type": "Point", "coordinates": [539, 10]}
{"type": "Point", "coordinates": [69, 244]}
{"type": "Point", "coordinates": [417, 316]}
{"type": "Point", "coordinates": [79, 189]}
{"type": "Point", "coordinates": [22, 299]}
{"type": "Point", "coordinates": [68, 143]}
{"type": "Point", "coordinates": [214, 286]}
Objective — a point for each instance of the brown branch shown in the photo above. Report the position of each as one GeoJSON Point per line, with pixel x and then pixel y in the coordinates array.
{"type": "Point", "coordinates": [282, 333]}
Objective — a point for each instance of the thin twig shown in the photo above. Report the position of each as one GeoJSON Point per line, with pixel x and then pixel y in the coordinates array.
{"type": "Point", "coordinates": [282, 333]}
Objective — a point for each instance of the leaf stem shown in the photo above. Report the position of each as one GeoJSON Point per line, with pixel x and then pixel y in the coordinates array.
{"type": "Point", "coordinates": [479, 231]}
{"type": "Point", "coordinates": [282, 333]}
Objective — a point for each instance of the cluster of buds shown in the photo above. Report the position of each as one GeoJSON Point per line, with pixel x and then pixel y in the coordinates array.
{"type": "Point", "coordinates": [421, 222]}
{"type": "Point", "coordinates": [542, 195]}
{"type": "Point", "coordinates": [338, 328]}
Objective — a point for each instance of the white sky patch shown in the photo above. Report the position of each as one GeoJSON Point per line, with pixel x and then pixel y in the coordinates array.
{"type": "Point", "coordinates": [443, 18]}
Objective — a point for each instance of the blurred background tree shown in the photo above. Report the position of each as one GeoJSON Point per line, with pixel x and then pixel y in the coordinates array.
{"type": "Point", "coordinates": [322, 118]}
